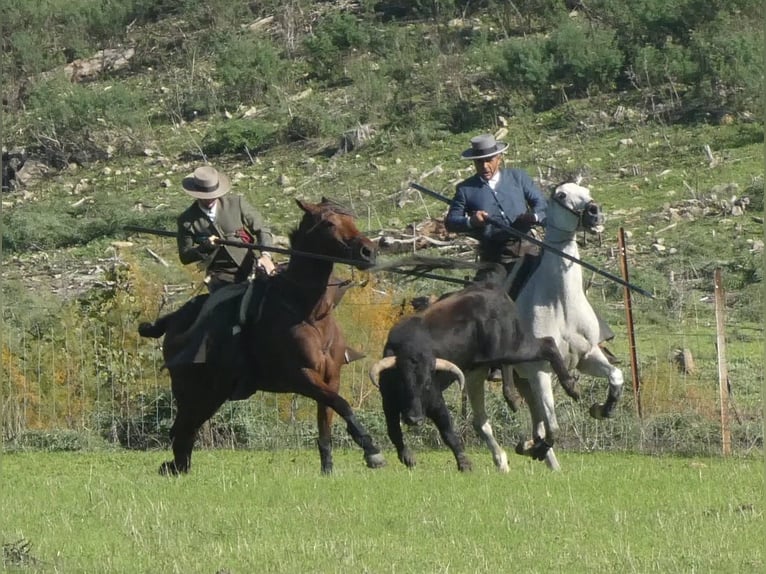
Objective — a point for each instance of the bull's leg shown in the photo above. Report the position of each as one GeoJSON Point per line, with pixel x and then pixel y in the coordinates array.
{"type": "Point", "coordinates": [315, 388]}
{"type": "Point", "coordinates": [324, 442]}
{"type": "Point", "coordinates": [193, 409]}
{"type": "Point", "coordinates": [597, 364]}
{"type": "Point", "coordinates": [440, 415]}
{"type": "Point", "coordinates": [393, 426]}
{"type": "Point", "coordinates": [531, 349]}
{"type": "Point", "coordinates": [475, 389]}
{"type": "Point", "coordinates": [550, 352]}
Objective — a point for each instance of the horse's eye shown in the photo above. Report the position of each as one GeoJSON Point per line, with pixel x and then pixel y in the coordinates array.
{"type": "Point", "coordinates": [593, 209]}
{"type": "Point", "coordinates": [561, 196]}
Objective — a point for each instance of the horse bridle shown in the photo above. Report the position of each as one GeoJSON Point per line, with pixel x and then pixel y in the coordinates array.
{"type": "Point", "coordinates": [587, 217]}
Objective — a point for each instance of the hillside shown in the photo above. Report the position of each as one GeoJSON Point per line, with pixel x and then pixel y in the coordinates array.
{"type": "Point", "coordinates": [353, 100]}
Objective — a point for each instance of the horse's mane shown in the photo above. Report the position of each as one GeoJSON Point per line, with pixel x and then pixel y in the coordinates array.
{"type": "Point", "coordinates": [326, 205]}
{"type": "Point", "coordinates": [329, 204]}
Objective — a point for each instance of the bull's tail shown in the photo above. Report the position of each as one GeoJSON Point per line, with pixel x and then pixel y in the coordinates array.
{"type": "Point", "coordinates": [154, 330]}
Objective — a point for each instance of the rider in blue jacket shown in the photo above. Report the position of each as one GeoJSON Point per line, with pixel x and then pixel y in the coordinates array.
{"type": "Point", "coordinates": [508, 196]}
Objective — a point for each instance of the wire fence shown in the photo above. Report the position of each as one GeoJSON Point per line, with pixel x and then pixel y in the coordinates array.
{"type": "Point", "coordinates": [80, 376]}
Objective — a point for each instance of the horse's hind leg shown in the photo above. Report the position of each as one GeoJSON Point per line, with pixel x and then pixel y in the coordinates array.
{"type": "Point", "coordinates": [195, 405]}
{"type": "Point", "coordinates": [324, 442]}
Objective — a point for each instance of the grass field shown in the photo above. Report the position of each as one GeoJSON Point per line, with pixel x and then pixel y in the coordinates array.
{"type": "Point", "coordinates": [245, 511]}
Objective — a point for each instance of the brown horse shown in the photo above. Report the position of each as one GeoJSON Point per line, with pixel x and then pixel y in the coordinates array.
{"type": "Point", "coordinates": [289, 341]}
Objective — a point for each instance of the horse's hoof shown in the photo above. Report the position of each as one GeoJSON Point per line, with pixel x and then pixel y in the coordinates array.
{"type": "Point", "coordinates": [540, 450]}
{"type": "Point", "coordinates": [326, 470]}
{"type": "Point", "coordinates": [598, 412]}
{"type": "Point", "coordinates": [375, 460]}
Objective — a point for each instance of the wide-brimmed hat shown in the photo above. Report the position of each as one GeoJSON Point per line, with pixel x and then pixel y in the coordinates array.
{"type": "Point", "coordinates": [484, 146]}
{"type": "Point", "coordinates": [206, 183]}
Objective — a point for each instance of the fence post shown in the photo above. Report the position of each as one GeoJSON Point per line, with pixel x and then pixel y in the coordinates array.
{"type": "Point", "coordinates": [723, 376]}
{"type": "Point", "coordinates": [629, 320]}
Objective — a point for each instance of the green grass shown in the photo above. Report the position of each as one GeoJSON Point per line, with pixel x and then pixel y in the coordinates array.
{"type": "Point", "coordinates": [273, 512]}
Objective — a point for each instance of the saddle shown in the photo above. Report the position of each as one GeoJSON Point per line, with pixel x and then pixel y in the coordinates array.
{"type": "Point", "coordinates": [215, 336]}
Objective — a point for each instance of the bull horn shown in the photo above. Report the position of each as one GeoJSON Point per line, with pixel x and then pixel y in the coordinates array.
{"type": "Point", "coordinates": [382, 365]}
{"type": "Point", "coordinates": [445, 365]}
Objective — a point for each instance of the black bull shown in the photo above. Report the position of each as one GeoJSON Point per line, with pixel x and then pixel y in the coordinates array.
{"type": "Point", "coordinates": [470, 329]}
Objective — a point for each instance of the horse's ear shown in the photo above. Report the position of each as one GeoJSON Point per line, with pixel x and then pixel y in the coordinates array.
{"type": "Point", "coordinates": [305, 205]}
{"type": "Point", "coordinates": [324, 200]}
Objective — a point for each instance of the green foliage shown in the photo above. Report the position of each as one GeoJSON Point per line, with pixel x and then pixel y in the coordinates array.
{"type": "Point", "coordinates": [248, 68]}
{"type": "Point", "coordinates": [238, 136]}
{"type": "Point", "coordinates": [67, 120]}
{"type": "Point", "coordinates": [527, 65]}
{"type": "Point", "coordinates": [41, 34]}
{"type": "Point", "coordinates": [54, 441]}
{"type": "Point", "coordinates": [729, 61]}
{"type": "Point", "coordinates": [586, 59]}
{"type": "Point", "coordinates": [334, 38]}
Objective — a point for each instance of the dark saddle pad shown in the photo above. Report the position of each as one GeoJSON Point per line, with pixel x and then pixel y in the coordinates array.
{"type": "Point", "coordinates": [215, 336]}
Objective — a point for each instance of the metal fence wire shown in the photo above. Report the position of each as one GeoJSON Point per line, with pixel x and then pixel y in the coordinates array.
{"type": "Point", "coordinates": [79, 377]}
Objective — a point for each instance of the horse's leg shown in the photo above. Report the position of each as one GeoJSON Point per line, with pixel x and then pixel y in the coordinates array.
{"type": "Point", "coordinates": [324, 442]}
{"type": "Point", "coordinates": [475, 388]}
{"type": "Point", "coordinates": [439, 414]}
{"type": "Point", "coordinates": [324, 394]}
{"type": "Point", "coordinates": [538, 394]}
{"type": "Point", "coordinates": [596, 363]}
{"type": "Point", "coordinates": [198, 397]}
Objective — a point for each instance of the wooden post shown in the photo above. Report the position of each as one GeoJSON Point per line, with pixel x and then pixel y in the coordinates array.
{"type": "Point", "coordinates": [723, 376]}
{"type": "Point", "coordinates": [629, 321]}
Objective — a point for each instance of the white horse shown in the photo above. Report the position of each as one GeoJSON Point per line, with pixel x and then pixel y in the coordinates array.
{"type": "Point", "coordinates": [553, 304]}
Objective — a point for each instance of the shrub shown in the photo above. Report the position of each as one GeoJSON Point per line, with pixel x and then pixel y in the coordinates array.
{"type": "Point", "coordinates": [247, 67]}
{"type": "Point", "coordinates": [69, 120]}
{"type": "Point", "coordinates": [585, 59]}
{"type": "Point", "coordinates": [333, 39]}
{"type": "Point", "coordinates": [729, 58]}
{"type": "Point", "coordinates": [240, 136]}
{"type": "Point", "coordinates": [526, 66]}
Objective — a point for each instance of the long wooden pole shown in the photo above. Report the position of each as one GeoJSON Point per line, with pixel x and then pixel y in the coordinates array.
{"type": "Point", "coordinates": [516, 233]}
{"type": "Point", "coordinates": [723, 376]}
{"type": "Point", "coordinates": [629, 320]}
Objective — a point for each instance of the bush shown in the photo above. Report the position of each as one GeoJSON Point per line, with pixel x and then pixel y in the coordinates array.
{"type": "Point", "coordinates": [729, 60]}
{"type": "Point", "coordinates": [67, 120]}
{"type": "Point", "coordinates": [333, 39]}
{"type": "Point", "coordinates": [585, 59]}
{"type": "Point", "coordinates": [240, 137]}
{"type": "Point", "coordinates": [526, 66]}
{"type": "Point", "coordinates": [247, 68]}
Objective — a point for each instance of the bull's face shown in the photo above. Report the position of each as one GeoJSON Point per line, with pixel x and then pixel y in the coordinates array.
{"type": "Point", "coordinates": [415, 384]}
{"type": "Point", "coordinates": [412, 379]}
